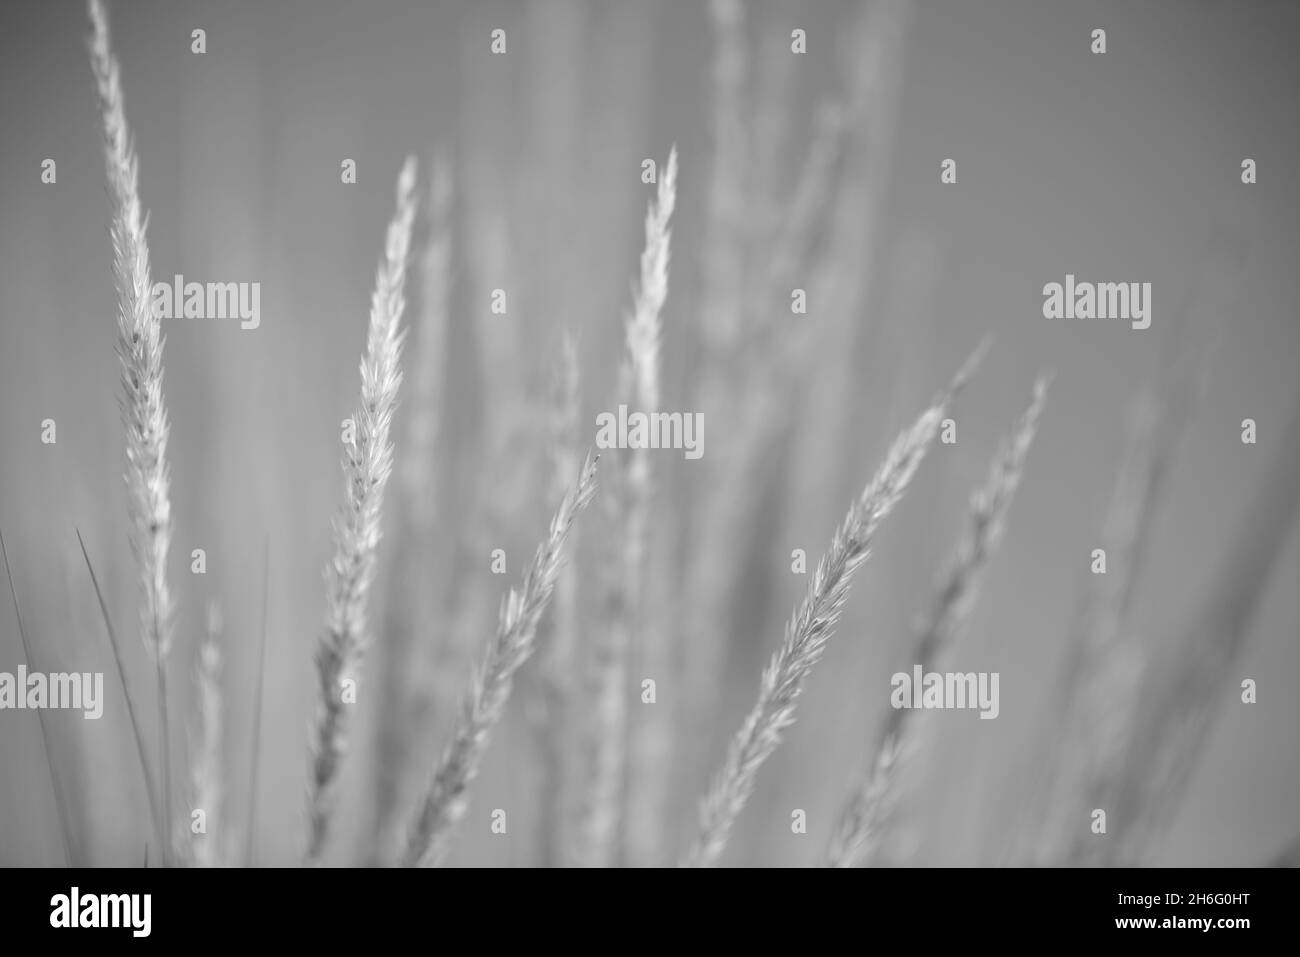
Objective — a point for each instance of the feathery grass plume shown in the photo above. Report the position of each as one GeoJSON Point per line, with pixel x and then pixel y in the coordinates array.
{"type": "Point", "coordinates": [411, 601]}
{"type": "Point", "coordinates": [136, 733]}
{"type": "Point", "coordinates": [638, 388]}
{"type": "Point", "coordinates": [140, 349]}
{"type": "Point", "coordinates": [764, 423]}
{"type": "Point", "coordinates": [418, 477]}
{"type": "Point", "coordinates": [60, 803]}
{"type": "Point", "coordinates": [255, 751]}
{"type": "Point", "coordinates": [763, 428]}
{"type": "Point", "coordinates": [810, 628]}
{"type": "Point", "coordinates": [1188, 686]}
{"type": "Point", "coordinates": [640, 375]}
{"type": "Point", "coordinates": [854, 842]}
{"type": "Point", "coordinates": [712, 578]}
{"type": "Point", "coordinates": [650, 745]}
{"type": "Point", "coordinates": [208, 845]}
{"type": "Point", "coordinates": [560, 651]}
{"type": "Point", "coordinates": [445, 800]}
{"type": "Point", "coordinates": [367, 463]}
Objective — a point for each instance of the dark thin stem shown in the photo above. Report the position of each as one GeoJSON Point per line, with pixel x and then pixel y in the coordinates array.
{"type": "Point", "coordinates": [149, 786]}
{"type": "Point", "coordinates": [40, 714]}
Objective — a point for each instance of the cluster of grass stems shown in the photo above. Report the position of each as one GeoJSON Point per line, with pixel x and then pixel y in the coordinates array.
{"type": "Point", "coordinates": [605, 797]}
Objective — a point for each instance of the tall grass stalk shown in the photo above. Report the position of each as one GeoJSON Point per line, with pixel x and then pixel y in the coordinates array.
{"type": "Point", "coordinates": [809, 630]}
{"type": "Point", "coordinates": [367, 464]}
{"type": "Point", "coordinates": [411, 599]}
{"type": "Point", "coordinates": [741, 361]}
{"type": "Point", "coordinates": [140, 349]}
{"type": "Point", "coordinates": [444, 802]}
{"type": "Point", "coordinates": [855, 839]}
{"type": "Point", "coordinates": [639, 389]}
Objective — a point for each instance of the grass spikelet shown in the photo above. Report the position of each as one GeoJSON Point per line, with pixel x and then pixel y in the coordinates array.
{"type": "Point", "coordinates": [367, 464]}
{"type": "Point", "coordinates": [140, 349]}
{"type": "Point", "coordinates": [639, 387]}
{"type": "Point", "coordinates": [809, 630]}
{"type": "Point", "coordinates": [854, 841]}
{"type": "Point", "coordinates": [644, 328]}
{"type": "Point", "coordinates": [445, 800]}
{"type": "Point", "coordinates": [410, 600]}
{"type": "Point", "coordinates": [418, 475]}
{"type": "Point", "coordinates": [649, 746]}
